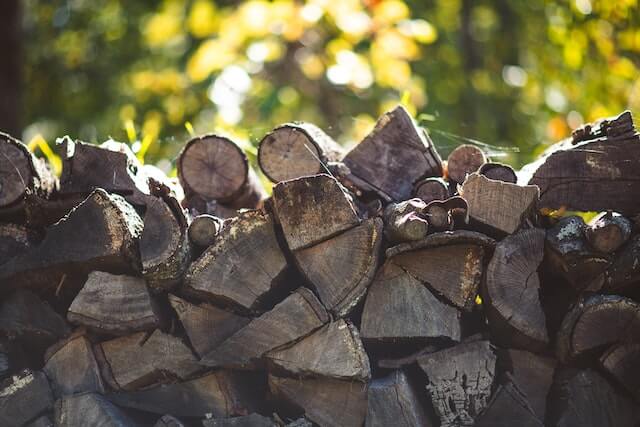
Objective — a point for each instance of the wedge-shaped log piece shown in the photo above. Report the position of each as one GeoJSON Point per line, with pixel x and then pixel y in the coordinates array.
{"type": "Point", "coordinates": [625, 270]}
{"type": "Point", "coordinates": [599, 161]}
{"type": "Point", "coordinates": [569, 255]}
{"type": "Point", "coordinates": [334, 351]}
{"type": "Point", "coordinates": [499, 206]}
{"type": "Point", "coordinates": [168, 421]}
{"type": "Point", "coordinates": [432, 188]}
{"type": "Point", "coordinates": [452, 270]}
{"type": "Point", "coordinates": [584, 398]}
{"type": "Point", "coordinates": [293, 150]}
{"type": "Point", "coordinates": [71, 367]}
{"type": "Point", "coordinates": [399, 307]}
{"type": "Point", "coordinates": [313, 209]}
{"type": "Point", "coordinates": [405, 221]}
{"type": "Point", "coordinates": [90, 409]}
{"type": "Point", "coordinates": [326, 402]}
{"type": "Point", "coordinates": [130, 363]}
{"type": "Point", "coordinates": [206, 326]}
{"type": "Point", "coordinates": [622, 361]}
{"type": "Point", "coordinates": [243, 266]}
{"type": "Point", "coordinates": [23, 397]}
{"type": "Point", "coordinates": [596, 321]}
{"type": "Point", "coordinates": [33, 323]}
{"type": "Point", "coordinates": [298, 315]}
{"type": "Point", "coordinates": [392, 401]}
{"type": "Point", "coordinates": [498, 172]}
{"type": "Point", "coordinates": [394, 156]}
{"type": "Point", "coordinates": [508, 407]}
{"type": "Point", "coordinates": [114, 227]}
{"type": "Point", "coordinates": [14, 240]}
{"type": "Point", "coordinates": [220, 393]}
{"type": "Point", "coordinates": [251, 420]}
{"type": "Point", "coordinates": [114, 305]}
{"type": "Point", "coordinates": [608, 231]}
{"type": "Point", "coordinates": [460, 381]}
{"type": "Point", "coordinates": [342, 267]}
{"type": "Point", "coordinates": [512, 291]}
{"type": "Point", "coordinates": [464, 160]}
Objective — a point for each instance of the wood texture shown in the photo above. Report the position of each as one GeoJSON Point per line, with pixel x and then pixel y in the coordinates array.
{"type": "Point", "coordinates": [508, 407]}
{"type": "Point", "coordinates": [432, 188]}
{"type": "Point", "coordinates": [404, 221]}
{"type": "Point", "coordinates": [168, 421]}
{"type": "Point", "coordinates": [14, 240]}
{"type": "Point", "coordinates": [624, 272]}
{"type": "Point", "coordinates": [23, 397]}
{"type": "Point", "coordinates": [622, 362]}
{"type": "Point", "coordinates": [464, 160]}
{"type": "Point", "coordinates": [498, 172]}
{"type": "Point", "coordinates": [204, 229]}
{"type": "Point", "coordinates": [608, 231]}
{"type": "Point", "coordinates": [90, 409]}
{"type": "Point", "coordinates": [251, 420]}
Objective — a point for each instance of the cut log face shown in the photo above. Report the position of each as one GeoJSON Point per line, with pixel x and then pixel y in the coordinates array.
{"type": "Point", "coordinates": [221, 393]}
{"type": "Point", "coordinates": [622, 361]}
{"type": "Point", "coordinates": [460, 381]}
{"type": "Point", "coordinates": [625, 270]}
{"type": "Point", "coordinates": [14, 240]}
{"type": "Point", "coordinates": [252, 420]}
{"type": "Point", "coordinates": [512, 291]}
{"type": "Point", "coordinates": [498, 172]}
{"type": "Point", "coordinates": [430, 189]}
{"type": "Point", "coordinates": [114, 227]}
{"type": "Point", "coordinates": [114, 305]}
{"type": "Point", "coordinates": [507, 408]}
{"type": "Point", "coordinates": [294, 150]}
{"type": "Point", "coordinates": [608, 231]}
{"type": "Point", "coordinates": [394, 156]}
{"type": "Point", "coordinates": [326, 402]}
{"type": "Point", "coordinates": [295, 317]}
{"type": "Point", "coordinates": [23, 397]}
{"type": "Point", "coordinates": [130, 363]}
{"type": "Point", "coordinates": [334, 351]}
{"type": "Point", "coordinates": [596, 321]}
{"type": "Point", "coordinates": [244, 266]}
{"type": "Point", "coordinates": [72, 368]}
{"type": "Point", "coordinates": [342, 267]}
{"type": "Point", "coordinates": [464, 160]}
{"type": "Point", "coordinates": [312, 209]}
{"type": "Point", "coordinates": [391, 401]}
{"type": "Point", "coordinates": [398, 306]}
{"type": "Point", "coordinates": [404, 221]}
{"type": "Point", "coordinates": [500, 206]}
{"type": "Point", "coordinates": [584, 398]}
{"type": "Point", "coordinates": [90, 409]}
{"type": "Point", "coordinates": [204, 229]}
{"type": "Point", "coordinates": [206, 326]}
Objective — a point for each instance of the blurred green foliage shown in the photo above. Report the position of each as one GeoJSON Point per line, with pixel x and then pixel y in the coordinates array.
{"type": "Point", "coordinates": [508, 73]}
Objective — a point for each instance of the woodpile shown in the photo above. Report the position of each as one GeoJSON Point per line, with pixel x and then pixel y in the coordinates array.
{"type": "Point", "coordinates": [380, 286]}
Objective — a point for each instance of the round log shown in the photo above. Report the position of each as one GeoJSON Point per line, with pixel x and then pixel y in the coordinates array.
{"type": "Point", "coordinates": [498, 172]}
{"type": "Point", "coordinates": [464, 160]}
{"type": "Point", "coordinates": [432, 188]}
{"type": "Point", "coordinates": [204, 229]}
{"type": "Point", "coordinates": [608, 231]}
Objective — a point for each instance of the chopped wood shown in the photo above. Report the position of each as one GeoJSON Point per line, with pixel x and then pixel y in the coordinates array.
{"type": "Point", "coordinates": [14, 240]}
{"type": "Point", "coordinates": [41, 421]}
{"type": "Point", "coordinates": [90, 409]}
{"type": "Point", "coordinates": [405, 361]}
{"type": "Point", "coordinates": [168, 421]}
{"type": "Point", "coordinates": [498, 172]}
{"type": "Point", "coordinates": [293, 150]}
{"type": "Point", "coordinates": [464, 160]}
{"type": "Point", "coordinates": [445, 215]}
{"type": "Point", "coordinates": [622, 361]}
{"type": "Point", "coordinates": [342, 267]}
{"type": "Point", "coordinates": [204, 229]}
{"type": "Point", "coordinates": [12, 357]}
{"type": "Point", "coordinates": [114, 305]}
{"type": "Point", "coordinates": [432, 188]}
{"type": "Point", "coordinates": [608, 231]}
{"type": "Point", "coordinates": [295, 317]}
{"type": "Point", "coordinates": [333, 351]}
{"type": "Point", "coordinates": [23, 397]}
{"type": "Point", "coordinates": [404, 221]}
{"type": "Point", "coordinates": [313, 209]}
{"type": "Point", "coordinates": [624, 272]}
{"type": "Point", "coordinates": [251, 420]}
{"type": "Point", "coordinates": [508, 407]}
{"type": "Point", "coordinates": [394, 156]}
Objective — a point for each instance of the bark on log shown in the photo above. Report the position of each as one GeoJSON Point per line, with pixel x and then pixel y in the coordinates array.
{"type": "Point", "coordinates": [342, 267]}
{"type": "Point", "coordinates": [90, 409]}
{"type": "Point", "coordinates": [394, 156]}
{"type": "Point", "coordinates": [508, 407]}
{"type": "Point", "coordinates": [432, 188]}
{"type": "Point", "coordinates": [404, 221]}
{"type": "Point", "coordinates": [622, 362]}
{"type": "Point", "coordinates": [23, 397]}
{"type": "Point", "coordinates": [624, 273]}
{"type": "Point", "coordinates": [293, 150]}
{"type": "Point", "coordinates": [498, 172]}
{"type": "Point", "coordinates": [204, 229]}
{"type": "Point", "coordinates": [445, 215]}
{"type": "Point", "coordinates": [464, 160]}
{"type": "Point", "coordinates": [608, 232]}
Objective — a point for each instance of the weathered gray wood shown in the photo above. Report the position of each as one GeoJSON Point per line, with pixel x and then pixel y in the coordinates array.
{"type": "Point", "coordinates": [326, 402]}
{"type": "Point", "coordinates": [464, 160]}
{"type": "Point", "coordinates": [508, 407]}
{"type": "Point", "coordinates": [23, 397]}
{"type": "Point", "coordinates": [624, 272]}
{"type": "Point", "coordinates": [430, 189]}
{"type": "Point", "coordinates": [251, 420]}
{"type": "Point", "coordinates": [405, 361]}
{"type": "Point", "coordinates": [608, 231]}
{"type": "Point", "coordinates": [460, 381]}
{"type": "Point", "coordinates": [41, 421]}
{"type": "Point", "coordinates": [498, 172]}
{"type": "Point", "coordinates": [90, 409]}
{"type": "Point", "coordinates": [333, 351]}
{"type": "Point", "coordinates": [442, 239]}
{"type": "Point", "coordinates": [295, 317]}
{"type": "Point", "coordinates": [622, 362]}
{"type": "Point", "coordinates": [204, 229]}
{"type": "Point", "coordinates": [404, 221]}
{"type": "Point", "coordinates": [168, 421]}
{"type": "Point", "coordinates": [342, 267]}
{"type": "Point", "coordinates": [114, 305]}
{"type": "Point", "coordinates": [14, 240]}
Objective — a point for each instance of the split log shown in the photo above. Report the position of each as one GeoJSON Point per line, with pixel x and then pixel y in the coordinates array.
{"type": "Point", "coordinates": [334, 351]}
{"type": "Point", "coordinates": [460, 381]}
{"type": "Point", "coordinates": [464, 160]}
{"type": "Point", "coordinates": [326, 402]}
{"type": "Point", "coordinates": [624, 272]}
{"type": "Point", "coordinates": [293, 150]}
{"type": "Point", "coordinates": [608, 231]}
{"type": "Point", "coordinates": [139, 360]}
{"type": "Point", "coordinates": [244, 266]}
{"type": "Point", "coordinates": [72, 368]}
{"type": "Point", "coordinates": [498, 172]}
{"type": "Point", "coordinates": [404, 221]}
{"type": "Point", "coordinates": [90, 409]}
{"type": "Point", "coordinates": [114, 305]}
{"type": "Point", "coordinates": [411, 359]}
{"type": "Point", "coordinates": [391, 401]}
{"type": "Point", "coordinates": [500, 206]}
{"type": "Point", "coordinates": [599, 161]}
{"type": "Point", "coordinates": [584, 398]}
{"type": "Point", "coordinates": [622, 362]}
{"type": "Point", "coordinates": [512, 291]}
{"type": "Point", "coordinates": [342, 267]}
{"type": "Point", "coordinates": [204, 229]}
{"type": "Point", "coordinates": [449, 264]}
{"type": "Point", "coordinates": [394, 156]}
{"type": "Point", "coordinates": [569, 254]}
{"type": "Point", "coordinates": [205, 325]}
{"type": "Point", "coordinates": [400, 308]}
{"type": "Point", "coordinates": [168, 421]}
{"type": "Point", "coordinates": [313, 209]}
{"type": "Point", "coordinates": [213, 167]}
{"type": "Point", "coordinates": [23, 397]}
{"type": "Point", "coordinates": [432, 188]}
{"type": "Point", "coordinates": [508, 407]}
{"type": "Point", "coordinates": [14, 240]}
{"type": "Point", "coordinates": [251, 420]}
{"type": "Point", "coordinates": [596, 321]}
{"type": "Point", "coordinates": [220, 393]}
{"type": "Point", "coordinates": [114, 227]}
{"type": "Point", "coordinates": [295, 317]}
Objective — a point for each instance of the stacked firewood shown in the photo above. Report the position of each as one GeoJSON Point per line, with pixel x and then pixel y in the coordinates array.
{"type": "Point", "coordinates": [381, 286]}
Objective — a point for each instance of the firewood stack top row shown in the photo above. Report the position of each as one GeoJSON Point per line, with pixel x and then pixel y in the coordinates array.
{"type": "Point", "coordinates": [381, 286]}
